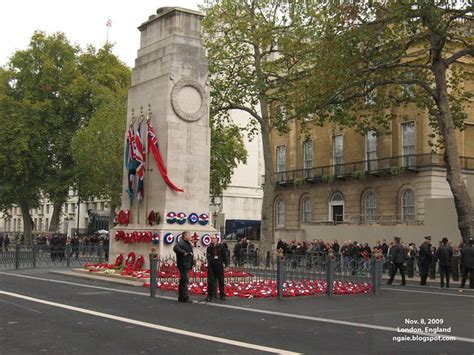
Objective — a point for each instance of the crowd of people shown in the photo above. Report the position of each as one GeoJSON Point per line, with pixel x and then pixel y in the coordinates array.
{"type": "Point", "coordinates": [55, 243]}
{"type": "Point", "coordinates": [427, 259]}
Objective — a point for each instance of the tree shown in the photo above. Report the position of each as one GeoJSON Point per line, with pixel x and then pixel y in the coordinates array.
{"type": "Point", "coordinates": [98, 154]}
{"type": "Point", "coordinates": [22, 157]}
{"type": "Point", "coordinates": [391, 53]}
{"type": "Point", "coordinates": [227, 151]}
{"type": "Point", "coordinates": [242, 39]}
{"type": "Point", "coordinates": [65, 86]}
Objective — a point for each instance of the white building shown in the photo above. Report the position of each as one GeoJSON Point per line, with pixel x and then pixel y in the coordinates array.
{"type": "Point", "coordinates": [242, 200]}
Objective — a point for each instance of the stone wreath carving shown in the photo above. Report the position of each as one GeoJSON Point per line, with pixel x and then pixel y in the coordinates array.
{"type": "Point", "coordinates": [188, 116]}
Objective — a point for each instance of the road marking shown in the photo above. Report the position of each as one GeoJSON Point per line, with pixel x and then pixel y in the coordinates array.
{"type": "Point", "coordinates": [19, 305]}
{"type": "Point", "coordinates": [94, 293]}
{"type": "Point", "coordinates": [256, 310]}
{"type": "Point", "coordinates": [152, 326]}
{"type": "Point", "coordinates": [426, 292]}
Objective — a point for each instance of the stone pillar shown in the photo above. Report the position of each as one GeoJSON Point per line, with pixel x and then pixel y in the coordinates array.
{"type": "Point", "coordinates": [170, 77]}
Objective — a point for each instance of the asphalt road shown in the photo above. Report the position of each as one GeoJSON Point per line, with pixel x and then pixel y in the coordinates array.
{"type": "Point", "coordinates": [48, 313]}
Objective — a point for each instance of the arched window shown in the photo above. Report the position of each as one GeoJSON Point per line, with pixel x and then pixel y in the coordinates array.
{"type": "Point", "coordinates": [280, 213]}
{"type": "Point", "coordinates": [307, 210]}
{"type": "Point", "coordinates": [370, 207]}
{"type": "Point", "coordinates": [336, 207]}
{"type": "Point", "coordinates": [408, 205]}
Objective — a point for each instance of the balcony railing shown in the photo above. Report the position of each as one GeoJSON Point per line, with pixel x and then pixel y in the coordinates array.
{"type": "Point", "coordinates": [358, 219]}
{"type": "Point", "coordinates": [376, 167]}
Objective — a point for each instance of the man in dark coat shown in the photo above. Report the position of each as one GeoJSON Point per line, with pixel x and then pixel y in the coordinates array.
{"type": "Point", "coordinates": [467, 260]}
{"type": "Point", "coordinates": [444, 254]}
{"type": "Point", "coordinates": [397, 259]}
{"type": "Point", "coordinates": [425, 256]}
{"type": "Point", "coordinates": [184, 261]}
{"type": "Point", "coordinates": [217, 259]}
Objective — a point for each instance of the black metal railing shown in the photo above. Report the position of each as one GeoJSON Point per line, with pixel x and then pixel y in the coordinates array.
{"type": "Point", "coordinates": [359, 169]}
{"type": "Point", "coordinates": [323, 269]}
{"type": "Point", "coordinates": [36, 255]}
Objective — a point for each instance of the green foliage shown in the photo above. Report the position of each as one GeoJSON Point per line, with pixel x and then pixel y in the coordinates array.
{"type": "Point", "coordinates": [227, 151]}
{"type": "Point", "coordinates": [299, 181]}
{"type": "Point", "coordinates": [53, 89]}
{"type": "Point", "coordinates": [359, 175]}
{"type": "Point", "coordinates": [397, 170]}
{"type": "Point", "coordinates": [98, 153]}
{"type": "Point", "coordinates": [328, 178]}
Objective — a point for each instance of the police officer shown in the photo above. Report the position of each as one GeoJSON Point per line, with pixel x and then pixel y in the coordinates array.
{"type": "Point", "coordinates": [467, 260]}
{"type": "Point", "coordinates": [217, 259]}
{"type": "Point", "coordinates": [397, 254]}
{"type": "Point", "coordinates": [184, 261]}
{"type": "Point", "coordinates": [425, 256]}
{"type": "Point", "coordinates": [444, 254]}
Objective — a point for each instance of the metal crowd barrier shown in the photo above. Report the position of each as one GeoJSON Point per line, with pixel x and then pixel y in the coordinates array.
{"type": "Point", "coordinates": [31, 256]}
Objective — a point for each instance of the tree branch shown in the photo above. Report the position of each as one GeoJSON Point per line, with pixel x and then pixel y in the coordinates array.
{"type": "Point", "coordinates": [460, 54]}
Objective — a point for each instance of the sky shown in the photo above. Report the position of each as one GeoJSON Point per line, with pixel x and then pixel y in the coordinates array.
{"type": "Point", "coordinates": [83, 22]}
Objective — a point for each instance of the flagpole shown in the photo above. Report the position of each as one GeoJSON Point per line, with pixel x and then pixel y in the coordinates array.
{"type": "Point", "coordinates": [108, 24]}
{"type": "Point", "coordinates": [138, 180]}
{"type": "Point", "coordinates": [146, 162]}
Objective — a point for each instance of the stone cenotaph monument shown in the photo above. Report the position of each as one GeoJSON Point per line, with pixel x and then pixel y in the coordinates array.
{"type": "Point", "coordinates": [170, 95]}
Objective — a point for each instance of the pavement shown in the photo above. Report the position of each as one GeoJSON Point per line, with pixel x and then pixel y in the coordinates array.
{"type": "Point", "coordinates": [415, 280]}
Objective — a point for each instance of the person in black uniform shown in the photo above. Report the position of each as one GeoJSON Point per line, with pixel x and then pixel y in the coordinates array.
{"type": "Point", "coordinates": [425, 256]}
{"type": "Point", "coordinates": [467, 260]}
{"type": "Point", "coordinates": [217, 259]}
{"type": "Point", "coordinates": [444, 254]}
{"type": "Point", "coordinates": [184, 261]}
{"type": "Point", "coordinates": [397, 259]}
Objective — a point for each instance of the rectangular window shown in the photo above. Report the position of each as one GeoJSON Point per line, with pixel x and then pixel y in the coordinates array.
{"type": "Point", "coordinates": [40, 224]}
{"type": "Point", "coordinates": [47, 209]}
{"type": "Point", "coordinates": [65, 207]}
{"type": "Point", "coordinates": [408, 143]}
{"type": "Point", "coordinates": [338, 154]}
{"type": "Point", "coordinates": [46, 223]}
{"type": "Point", "coordinates": [308, 158]}
{"type": "Point", "coordinates": [281, 162]}
{"type": "Point", "coordinates": [371, 151]}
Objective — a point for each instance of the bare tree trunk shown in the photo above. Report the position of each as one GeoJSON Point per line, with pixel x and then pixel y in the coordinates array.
{"type": "Point", "coordinates": [27, 222]}
{"type": "Point", "coordinates": [54, 224]}
{"type": "Point", "coordinates": [267, 230]}
{"type": "Point", "coordinates": [462, 200]}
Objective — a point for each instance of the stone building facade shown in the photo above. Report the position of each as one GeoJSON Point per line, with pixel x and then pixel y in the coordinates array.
{"type": "Point", "coordinates": [335, 183]}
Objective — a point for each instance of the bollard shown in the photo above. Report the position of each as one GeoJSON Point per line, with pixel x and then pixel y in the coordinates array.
{"type": "Point", "coordinates": [101, 251]}
{"type": "Point", "coordinates": [153, 270]}
{"type": "Point", "coordinates": [17, 255]}
{"type": "Point", "coordinates": [280, 275]}
{"type": "Point", "coordinates": [374, 274]}
{"type": "Point", "coordinates": [380, 264]}
{"type": "Point", "coordinates": [68, 254]}
{"type": "Point", "coordinates": [329, 274]}
{"type": "Point", "coordinates": [34, 249]}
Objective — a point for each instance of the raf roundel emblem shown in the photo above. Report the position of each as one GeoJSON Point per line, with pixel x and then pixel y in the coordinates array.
{"type": "Point", "coordinates": [206, 240]}
{"type": "Point", "coordinates": [193, 218]}
{"type": "Point", "coordinates": [169, 238]}
{"type": "Point", "coordinates": [178, 237]}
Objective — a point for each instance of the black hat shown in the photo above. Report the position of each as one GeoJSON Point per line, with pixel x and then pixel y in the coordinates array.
{"type": "Point", "coordinates": [428, 237]}
{"type": "Point", "coordinates": [397, 239]}
{"type": "Point", "coordinates": [444, 240]}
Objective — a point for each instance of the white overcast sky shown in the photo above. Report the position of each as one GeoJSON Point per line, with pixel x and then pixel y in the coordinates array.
{"type": "Point", "coordinates": [83, 22]}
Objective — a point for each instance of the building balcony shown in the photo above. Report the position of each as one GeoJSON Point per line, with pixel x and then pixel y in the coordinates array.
{"type": "Point", "coordinates": [360, 169]}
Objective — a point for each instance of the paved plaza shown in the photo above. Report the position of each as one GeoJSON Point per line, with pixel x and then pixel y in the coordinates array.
{"type": "Point", "coordinates": [53, 312]}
